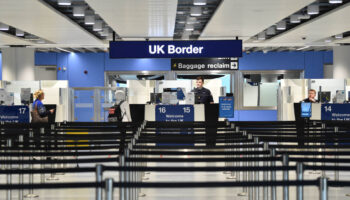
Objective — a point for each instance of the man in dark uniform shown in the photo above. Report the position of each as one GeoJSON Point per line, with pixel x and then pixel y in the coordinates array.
{"type": "Point", "coordinates": [311, 97]}
{"type": "Point", "coordinates": [202, 94]}
{"type": "Point", "coordinates": [302, 122]}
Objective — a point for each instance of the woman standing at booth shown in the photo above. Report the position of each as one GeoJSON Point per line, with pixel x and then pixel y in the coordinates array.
{"type": "Point", "coordinates": [39, 112]}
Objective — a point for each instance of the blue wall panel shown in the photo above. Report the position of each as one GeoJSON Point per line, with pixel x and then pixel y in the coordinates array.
{"type": "Point", "coordinates": [313, 65]}
{"type": "Point", "coordinates": [42, 58]}
{"type": "Point", "coordinates": [0, 66]}
{"type": "Point", "coordinates": [328, 57]}
{"type": "Point", "coordinates": [272, 61]}
{"type": "Point", "coordinates": [93, 63]}
{"type": "Point", "coordinates": [255, 115]}
{"type": "Point", "coordinates": [136, 64]}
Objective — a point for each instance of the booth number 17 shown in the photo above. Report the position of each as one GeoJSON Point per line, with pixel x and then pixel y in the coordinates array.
{"type": "Point", "coordinates": [22, 110]}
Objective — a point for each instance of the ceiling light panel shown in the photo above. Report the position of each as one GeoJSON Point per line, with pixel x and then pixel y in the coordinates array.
{"type": "Point", "coordinates": [80, 12]}
{"type": "Point", "coordinates": [193, 12]}
{"type": "Point", "coordinates": [196, 11]}
{"type": "Point", "coordinates": [199, 2]}
{"type": "Point", "coordinates": [64, 2]}
{"type": "Point", "coordinates": [313, 9]}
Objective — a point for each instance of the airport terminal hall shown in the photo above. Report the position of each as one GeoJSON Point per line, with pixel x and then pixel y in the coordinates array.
{"type": "Point", "coordinates": [174, 100]}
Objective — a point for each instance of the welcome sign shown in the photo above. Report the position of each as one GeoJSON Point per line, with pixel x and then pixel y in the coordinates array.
{"type": "Point", "coordinates": [176, 49]}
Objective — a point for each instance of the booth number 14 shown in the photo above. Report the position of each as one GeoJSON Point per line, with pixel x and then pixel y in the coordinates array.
{"type": "Point", "coordinates": [328, 108]}
{"type": "Point", "coordinates": [186, 109]}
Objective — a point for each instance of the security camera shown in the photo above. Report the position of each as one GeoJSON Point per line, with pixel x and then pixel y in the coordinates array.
{"type": "Point", "coordinates": [304, 38]}
{"type": "Point", "coordinates": [147, 39]}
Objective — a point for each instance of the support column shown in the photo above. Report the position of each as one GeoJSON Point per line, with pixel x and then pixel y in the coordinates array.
{"type": "Point", "coordinates": [18, 64]}
{"type": "Point", "coordinates": [341, 62]}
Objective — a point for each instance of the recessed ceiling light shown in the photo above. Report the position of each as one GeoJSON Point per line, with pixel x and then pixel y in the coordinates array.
{"type": "Point", "coordinates": [294, 19]}
{"type": "Point", "coordinates": [89, 19]}
{"type": "Point", "coordinates": [313, 9]}
{"type": "Point", "coordinates": [97, 26]}
{"type": "Point", "coordinates": [19, 33]}
{"type": "Point", "coordinates": [78, 11]}
{"type": "Point", "coordinates": [199, 2]}
{"type": "Point", "coordinates": [64, 2]}
{"type": "Point", "coordinates": [189, 27]}
{"type": "Point", "coordinates": [4, 27]}
{"type": "Point", "coordinates": [339, 36]}
{"type": "Point", "coordinates": [335, 1]}
{"type": "Point", "coordinates": [196, 11]}
{"type": "Point", "coordinates": [328, 40]}
{"type": "Point", "coordinates": [303, 48]}
{"type": "Point", "coordinates": [271, 31]}
{"type": "Point", "coordinates": [282, 25]}
{"type": "Point", "coordinates": [262, 36]}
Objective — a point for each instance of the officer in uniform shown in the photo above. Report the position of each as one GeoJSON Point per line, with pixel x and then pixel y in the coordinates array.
{"type": "Point", "coordinates": [311, 97]}
{"type": "Point", "coordinates": [202, 94]}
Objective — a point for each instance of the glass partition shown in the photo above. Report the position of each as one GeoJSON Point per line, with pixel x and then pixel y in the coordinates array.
{"type": "Point", "coordinates": [56, 92]}
{"type": "Point", "coordinates": [330, 86]}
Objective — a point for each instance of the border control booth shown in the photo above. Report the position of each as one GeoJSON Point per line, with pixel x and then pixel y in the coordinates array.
{"type": "Point", "coordinates": [196, 56]}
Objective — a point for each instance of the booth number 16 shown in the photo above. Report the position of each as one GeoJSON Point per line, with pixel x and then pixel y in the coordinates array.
{"type": "Point", "coordinates": [186, 109]}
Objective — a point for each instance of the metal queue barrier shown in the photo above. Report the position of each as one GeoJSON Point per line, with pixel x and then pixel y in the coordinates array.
{"type": "Point", "coordinates": [243, 146]}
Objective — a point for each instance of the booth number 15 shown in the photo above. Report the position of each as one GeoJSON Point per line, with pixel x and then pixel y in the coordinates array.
{"type": "Point", "coordinates": [186, 109]}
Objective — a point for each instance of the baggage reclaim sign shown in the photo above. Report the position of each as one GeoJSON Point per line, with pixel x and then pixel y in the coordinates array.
{"type": "Point", "coordinates": [176, 49]}
{"type": "Point", "coordinates": [204, 64]}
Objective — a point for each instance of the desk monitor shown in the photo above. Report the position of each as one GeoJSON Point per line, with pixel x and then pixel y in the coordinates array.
{"type": "Point", "coordinates": [324, 96]}
{"type": "Point", "coordinates": [156, 98]}
{"type": "Point", "coordinates": [305, 109]}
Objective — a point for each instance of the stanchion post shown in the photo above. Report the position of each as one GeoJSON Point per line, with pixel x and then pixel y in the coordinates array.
{"type": "Point", "coordinates": [265, 174]}
{"type": "Point", "coordinates": [285, 177]}
{"type": "Point", "coordinates": [256, 189]}
{"type": "Point", "coordinates": [323, 188]}
{"type": "Point", "coordinates": [122, 177]}
{"type": "Point", "coordinates": [42, 146]}
{"type": "Point", "coordinates": [300, 177]}
{"type": "Point", "coordinates": [31, 176]}
{"type": "Point", "coordinates": [250, 174]}
{"type": "Point", "coordinates": [232, 174]}
{"type": "Point", "coordinates": [336, 172]}
{"type": "Point", "coordinates": [273, 174]}
{"type": "Point", "coordinates": [99, 178]}
{"type": "Point", "coordinates": [20, 176]}
{"type": "Point", "coordinates": [244, 164]}
{"type": "Point", "coordinates": [9, 176]}
{"type": "Point", "coordinates": [109, 189]}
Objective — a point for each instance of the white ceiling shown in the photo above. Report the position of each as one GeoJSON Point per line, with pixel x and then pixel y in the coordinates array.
{"type": "Point", "coordinates": [318, 29]}
{"type": "Point", "coordinates": [6, 39]}
{"type": "Point", "coordinates": [36, 18]}
{"type": "Point", "coordinates": [246, 18]}
{"type": "Point", "coordinates": [138, 18]}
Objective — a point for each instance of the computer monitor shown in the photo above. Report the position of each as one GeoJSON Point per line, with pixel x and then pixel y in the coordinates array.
{"type": "Point", "coordinates": [324, 96]}
{"type": "Point", "coordinates": [305, 110]}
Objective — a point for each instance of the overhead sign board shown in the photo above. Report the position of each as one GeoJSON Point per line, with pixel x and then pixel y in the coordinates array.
{"type": "Point", "coordinates": [204, 64]}
{"type": "Point", "coordinates": [176, 49]}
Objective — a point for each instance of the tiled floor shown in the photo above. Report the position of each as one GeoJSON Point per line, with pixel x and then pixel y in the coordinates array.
{"type": "Point", "coordinates": [310, 193]}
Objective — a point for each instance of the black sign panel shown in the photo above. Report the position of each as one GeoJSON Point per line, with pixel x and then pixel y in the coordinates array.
{"type": "Point", "coordinates": [204, 64]}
